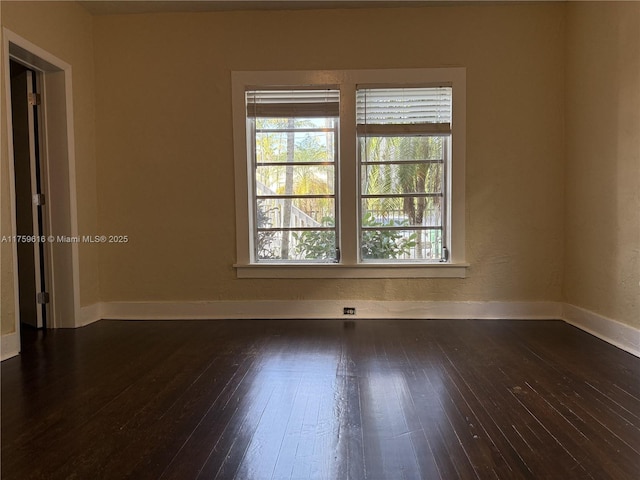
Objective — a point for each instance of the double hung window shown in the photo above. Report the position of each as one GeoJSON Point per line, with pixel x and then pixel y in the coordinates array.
{"type": "Point", "coordinates": [350, 173]}
{"type": "Point", "coordinates": [403, 152]}
{"type": "Point", "coordinates": [293, 154]}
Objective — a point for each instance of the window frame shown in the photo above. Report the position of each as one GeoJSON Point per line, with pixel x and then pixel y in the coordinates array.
{"type": "Point", "coordinates": [401, 129]}
{"type": "Point", "coordinates": [254, 164]}
{"type": "Point", "coordinates": [347, 186]}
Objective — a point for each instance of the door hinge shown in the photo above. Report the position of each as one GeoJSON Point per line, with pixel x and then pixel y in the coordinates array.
{"type": "Point", "coordinates": [34, 99]}
{"type": "Point", "coordinates": [43, 298]}
{"type": "Point", "coordinates": [38, 199]}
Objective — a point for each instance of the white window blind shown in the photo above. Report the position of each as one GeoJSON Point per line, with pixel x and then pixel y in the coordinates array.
{"type": "Point", "coordinates": [293, 103]}
{"type": "Point", "coordinates": [404, 110]}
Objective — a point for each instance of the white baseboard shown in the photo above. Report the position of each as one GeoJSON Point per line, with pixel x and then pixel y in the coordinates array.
{"type": "Point", "coordinates": [611, 331]}
{"type": "Point", "coordinates": [9, 345]}
{"type": "Point", "coordinates": [309, 309]}
{"type": "Point", "coordinates": [89, 314]}
{"type": "Point", "coordinates": [622, 336]}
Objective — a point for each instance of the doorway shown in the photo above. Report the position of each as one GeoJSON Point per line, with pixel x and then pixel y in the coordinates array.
{"type": "Point", "coordinates": [57, 300]}
{"type": "Point", "coordinates": [30, 197]}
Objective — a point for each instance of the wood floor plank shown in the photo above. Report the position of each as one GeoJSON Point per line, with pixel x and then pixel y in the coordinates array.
{"type": "Point", "coordinates": [514, 378]}
{"type": "Point", "coordinates": [321, 399]}
{"type": "Point", "coordinates": [538, 402]}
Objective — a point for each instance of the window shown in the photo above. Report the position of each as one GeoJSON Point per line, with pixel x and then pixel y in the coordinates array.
{"type": "Point", "coordinates": [293, 150]}
{"type": "Point", "coordinates": [403, 146]}
{"type": "Point", "coordinates": [350, 173]}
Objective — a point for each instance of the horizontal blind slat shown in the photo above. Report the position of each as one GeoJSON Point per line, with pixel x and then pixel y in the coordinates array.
{"type": "Point", "coordinates": [393, 106]}
{"type": "Point", "coordinates": [377, 130]}
{"type": "Point", "coordinates": [293, 103]}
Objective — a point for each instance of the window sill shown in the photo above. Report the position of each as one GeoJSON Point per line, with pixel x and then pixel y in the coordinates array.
{"type": "Point", "coordinates": [441, 270]}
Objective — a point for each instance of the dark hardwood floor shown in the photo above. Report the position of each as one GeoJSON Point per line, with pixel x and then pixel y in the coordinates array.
{"type": "Point", "coordinates": [305, 399]}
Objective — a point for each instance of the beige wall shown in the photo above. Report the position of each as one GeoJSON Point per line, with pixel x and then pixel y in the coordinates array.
{"type": "Point", "coordinates": [7, 292]}
{"type": "Point", "coordinates": [165, 158]}
{"type": "Point", "coordinates": [64, 29]}
{"type": "Point", "coordinates": [542, 204]}
{"type": "Point", "coordinates": [603, 159]}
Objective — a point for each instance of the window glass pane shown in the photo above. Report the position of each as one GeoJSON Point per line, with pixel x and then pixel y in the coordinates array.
{"type": "Point", "coordinates": [402, 149]}
{"type": "Point", "coordinates": [296, 123]}
{"type": "Point", "coordinates": [389, 179]}
{"type": "Point", "coordinates": [316, 244]}
{"type": "Point", "coordinates": [295, 140]}
{"type": "Point", "coordinates": [295, 179]}
{"type": "Point", "coordinates": [294, 212]}
{"type": "Point", "coordinates": [401, 245]}
{"type": "Point", "coordinates": [313, 245]}
{"type": "Point", "coordinates": [402, 211]}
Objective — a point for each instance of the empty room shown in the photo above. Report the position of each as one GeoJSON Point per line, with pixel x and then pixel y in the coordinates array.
{"type": "Point", "coordinates": [332, 240]}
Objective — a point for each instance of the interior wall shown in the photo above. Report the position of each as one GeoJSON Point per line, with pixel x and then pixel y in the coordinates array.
{"type": "Point", "coordinates": [537, 206]}
{"type": "Point", "coordinates": [602, 271]}
{"type": "Point", "coordinates": [7, 292]}
{"type": "Point", "coordinates": [64, 29]}
{"type": "Point", "coordinates": [165, 158]}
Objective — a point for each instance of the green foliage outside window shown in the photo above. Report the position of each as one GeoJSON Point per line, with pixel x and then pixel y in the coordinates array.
{"type": "Point", "coordinates": [376, 244]}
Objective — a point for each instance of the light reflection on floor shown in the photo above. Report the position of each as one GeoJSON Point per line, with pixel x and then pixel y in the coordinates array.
{"type": "Point", "coordinates": [314, 403]}
{"type": "Point", "coordinates": [292, 407]}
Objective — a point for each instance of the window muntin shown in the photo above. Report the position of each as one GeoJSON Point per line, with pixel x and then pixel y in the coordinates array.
{"type": "Point", "coordinates": [404, 137]}
{"type": "Point", "coordinates": [293, 146]}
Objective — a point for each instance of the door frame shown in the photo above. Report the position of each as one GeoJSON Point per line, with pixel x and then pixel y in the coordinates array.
{"type": "Point", "coordinates": [58, 175]}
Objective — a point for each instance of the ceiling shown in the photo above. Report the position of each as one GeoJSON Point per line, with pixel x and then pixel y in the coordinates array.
{"type": "Point", "coordinates": [115, 7]}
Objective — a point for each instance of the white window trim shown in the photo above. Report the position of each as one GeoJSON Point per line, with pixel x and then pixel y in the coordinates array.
{"type": "Point", "coordinates": [347, 80]}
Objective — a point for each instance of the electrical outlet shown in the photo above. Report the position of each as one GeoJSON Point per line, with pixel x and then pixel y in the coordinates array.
{"type": "Point", "coordinates": [349, 311]}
